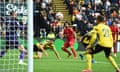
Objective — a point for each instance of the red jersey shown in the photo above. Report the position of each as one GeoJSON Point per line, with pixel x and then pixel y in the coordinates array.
{"type": "Point", "coordinates": [114, 30]}
{"type": "Point", "coordinates": [69, 33]}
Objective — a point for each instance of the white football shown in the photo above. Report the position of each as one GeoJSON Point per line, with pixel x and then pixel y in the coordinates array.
{"type": "Point", "coordinates": [59, 15]}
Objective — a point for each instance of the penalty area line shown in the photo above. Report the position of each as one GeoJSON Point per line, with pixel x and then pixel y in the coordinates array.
{"type": "Point", "coordinates": [104, 62]}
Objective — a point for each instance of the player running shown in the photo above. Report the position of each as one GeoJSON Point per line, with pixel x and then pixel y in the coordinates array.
{"type": "Point", "coordinates": [105, 43]}
{"type": "Point", "coordinates": [115, 34]}
{"type": "Point", "coordinates": [86, 40]}
{"type": "Point", "coordinates": [70, 36]}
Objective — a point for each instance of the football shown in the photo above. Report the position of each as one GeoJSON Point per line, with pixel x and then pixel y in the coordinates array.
{"type": "Point", "coordinates": [59, 15]}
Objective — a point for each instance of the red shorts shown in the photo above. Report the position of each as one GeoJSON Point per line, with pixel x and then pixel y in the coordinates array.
{"type": "Point", "coordinates": [69, 43]}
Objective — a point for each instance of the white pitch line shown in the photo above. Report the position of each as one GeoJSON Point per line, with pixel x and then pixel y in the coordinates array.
{"type": "Point", "coordinates": [104, 62]}
{"type": "Point", "coordinates": [100, 62]}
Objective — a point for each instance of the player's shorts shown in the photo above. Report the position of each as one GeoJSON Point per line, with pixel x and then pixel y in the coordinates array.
{"type": "Point", "coordinates": [35, 49]}
{"type": "Point", "coordinates": [69, 43]}
{"type": "Point", "coordinates": [11, 41]}
{"type": "Point", "coordinates": [84, 44]}
{"type": "Point", "coordinates": [12, 44]}
{"type": "Point", "coordinates": [99, 48]}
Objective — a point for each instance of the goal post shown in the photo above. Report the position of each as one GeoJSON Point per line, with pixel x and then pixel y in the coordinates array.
{"type": "Point", "coordinates": [30, 35]}
{"type": "Point", "coordinates": [16, 33]}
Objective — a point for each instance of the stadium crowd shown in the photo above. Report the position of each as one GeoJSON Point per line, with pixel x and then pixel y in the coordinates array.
{"type": "Point", "coordinates": [84, 13]}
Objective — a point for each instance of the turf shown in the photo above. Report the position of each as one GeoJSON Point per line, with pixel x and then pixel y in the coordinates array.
{"type": "Point", "coordinates": [52, 64]}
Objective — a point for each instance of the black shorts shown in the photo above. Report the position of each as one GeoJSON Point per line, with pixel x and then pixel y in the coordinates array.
{"type": "Point", "coordinates": [85, 45]}
{"type": "Point", "coordinates": [12, 44]}
{"type": "Point", "coordinates": [35, 49]}
{"type": "Point", "coordinates": [11, 41]}
{"type": "Point", "coordinates": [99, 48]}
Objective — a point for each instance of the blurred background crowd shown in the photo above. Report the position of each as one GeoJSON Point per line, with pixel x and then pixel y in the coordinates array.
{"type": "Point", "coordinates": [47, 19]}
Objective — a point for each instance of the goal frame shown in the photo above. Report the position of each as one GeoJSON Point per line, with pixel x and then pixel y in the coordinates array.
{"type": "Point", "coordinates": [30, 35]}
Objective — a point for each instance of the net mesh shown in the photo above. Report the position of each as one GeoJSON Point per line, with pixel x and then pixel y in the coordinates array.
{"type": "Point", "coordinates": [13, 34]}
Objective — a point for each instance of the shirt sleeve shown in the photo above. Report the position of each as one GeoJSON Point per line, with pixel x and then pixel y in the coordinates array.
{"type": "Point", "coordinates": [93, 38]}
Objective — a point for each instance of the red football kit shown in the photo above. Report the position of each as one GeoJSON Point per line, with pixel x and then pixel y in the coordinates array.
{"type": "Point", "coordinates": [114, 30]}
{"type": "Point", "coordinates": [69, 34]}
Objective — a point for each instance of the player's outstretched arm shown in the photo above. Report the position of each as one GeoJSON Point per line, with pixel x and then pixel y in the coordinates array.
{"type": "Point", "coordinates": [56, 53]}
{"type": "Point", "coordinates": [75, 35]}
{"type": "Point", "coordinates": [41, 47]}
{"type": "Point", "coordinates": [93, 39]}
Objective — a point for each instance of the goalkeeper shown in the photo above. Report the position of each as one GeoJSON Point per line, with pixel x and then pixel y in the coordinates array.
{"type": "Point", "coordinates": [11, 37]}
{"type": "Point", "coordinates": [40, 47]}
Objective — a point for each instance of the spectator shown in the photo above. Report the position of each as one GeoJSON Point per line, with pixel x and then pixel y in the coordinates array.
{"type": "Point", "coordinates": [114, 30]}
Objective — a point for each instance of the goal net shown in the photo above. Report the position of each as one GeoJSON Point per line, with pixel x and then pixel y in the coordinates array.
{"type": "Point", "coordinates": [14, 40]}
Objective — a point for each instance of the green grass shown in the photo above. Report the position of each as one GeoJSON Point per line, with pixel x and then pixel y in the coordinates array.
{"type": "Point", "coordinates": [52, 64]}
{"type": "Point", "coordinates": [9, 63]}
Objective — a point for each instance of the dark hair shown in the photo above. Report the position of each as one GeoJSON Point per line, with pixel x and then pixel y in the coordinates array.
{"type": "Point", "coordinates": [100, 18]}
{"type": "Point", "coordinates": [12, 12]}
{"type": "Point", "coordinates": [52, 39]}
{"type": "Point", "coordinates": [66, 22]}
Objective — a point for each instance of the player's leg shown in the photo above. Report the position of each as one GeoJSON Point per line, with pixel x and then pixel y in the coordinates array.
{"type": "Point", "coordinates": [71, 44]}
{"type": "Point", "coordinates": [89, 59]}
{"type": "Point", "coordinates": [84, 53]}
{"type": "Point", "coordinates": [82, 56]}
{"type": "Point", "coordinates": [38, 52]}
{"type": "Point", "coordinates": [22, 54]}
{"type": "Point", "coordinates": [38, 55]}
{"type": "Point", "coordinates": [89, 53]}
{"type": "Point", "coordinates": [56, 52]}
{"type": "Point", "coordinates": [115, 48]}
{"type": "Point", "coordinates": [2, 52]}
{"type": "Point", "coordinates": [110, 58]}
{"type": "Point", "coordinates": [89, 64]}
{"type": "Point", "coordinates": [7, 46]}
{"type": "Point", "coordinates": [64, 48]}
{"type": "Point", "coordinates": [93, 60]}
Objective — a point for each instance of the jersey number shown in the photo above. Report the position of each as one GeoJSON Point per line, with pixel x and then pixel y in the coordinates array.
{"type": "Point", "coordinates": [105, 32]}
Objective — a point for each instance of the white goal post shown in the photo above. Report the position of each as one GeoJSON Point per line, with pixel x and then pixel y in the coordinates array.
{"type": "Point", "coordinates": [16, 35]}
{"type": "Point", "coordinates": [30, 35]}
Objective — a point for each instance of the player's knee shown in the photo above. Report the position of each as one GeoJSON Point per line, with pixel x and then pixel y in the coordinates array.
{"type": "Point", "coordinates": [63, 48]}
{"type": "Point", "coordinates": [71, 46]}
{"type": "Point", "coordinates": [107, 56]}
{"type": "Point", "coordinates": [89, 51]}
{"type": "Point", "coordinates": [39, 56]}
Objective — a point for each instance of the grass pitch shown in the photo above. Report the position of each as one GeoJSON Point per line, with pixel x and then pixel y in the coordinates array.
{"type": "Point", "coordinates": [52, 64]}
{"type": "Point", "coordinates": [9, 63]}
